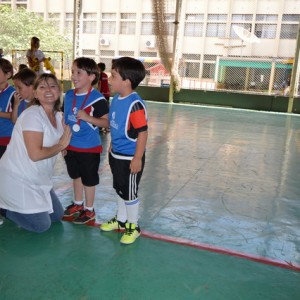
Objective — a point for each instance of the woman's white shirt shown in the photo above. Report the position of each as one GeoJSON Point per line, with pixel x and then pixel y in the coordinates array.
{"type": "Point", "coordinates": [25, 185]}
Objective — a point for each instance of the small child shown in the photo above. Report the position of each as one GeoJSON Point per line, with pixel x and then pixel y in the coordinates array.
{"type": "Point", "coordinates": [23, 82]}
{"type": "Point", "coordinates": [103, 87]}
{"type": "Point", "coordinates": [103, 82]}
{"type": "Point", "coordinates": [85, 110]}
{"type": "Point", "coordinates": [129, 132]}
{"type": "Point", "coordinates": [6, 104]}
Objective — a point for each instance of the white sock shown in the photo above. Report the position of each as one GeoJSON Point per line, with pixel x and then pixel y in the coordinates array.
{"type": "Point", "coordinates": [132, 208]}
{"type": "Point", "coordinates": [78, 202]}
{"type": "Point", "coordinates": [121, 214]}
{"type": "Point", "coordinates": [90, 208]}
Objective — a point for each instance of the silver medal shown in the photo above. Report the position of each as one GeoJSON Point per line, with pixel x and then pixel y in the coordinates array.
{"type": "Point", "coordinates": [76, 127]}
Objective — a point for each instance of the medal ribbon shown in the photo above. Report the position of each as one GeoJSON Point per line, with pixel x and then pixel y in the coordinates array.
{"type": "Point", "coordinates": [83, 103]}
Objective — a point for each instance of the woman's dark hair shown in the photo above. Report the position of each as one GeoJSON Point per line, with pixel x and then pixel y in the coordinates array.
{"type": "Point", "coordinates": [27, 76]}
{"type": "Point", "coordinates": [88, 65]}
{"type": "Point", "coordinates": [41, 78]}
{"type": "Point", "coordinates": [129, 68]}
{"type": "Point", "coordinates": [6, 67]}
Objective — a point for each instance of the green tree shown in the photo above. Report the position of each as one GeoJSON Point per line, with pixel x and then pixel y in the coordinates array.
{"type": "Point", "coordinates": [18, 26]}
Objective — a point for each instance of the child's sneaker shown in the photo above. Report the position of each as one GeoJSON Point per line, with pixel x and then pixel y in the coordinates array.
{"type": "Point", "coordinates": [112, 224]}
{"type": "Point", "coordinates": [85, 216]}
{"type": "Point", "coordinates": [1, 221]}
{"type": "Point", "coordinates": [72, 210]}
{"type": "Point", "coordinates": [132, 232]}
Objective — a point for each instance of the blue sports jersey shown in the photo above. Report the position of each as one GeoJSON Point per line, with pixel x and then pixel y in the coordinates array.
{"type": "Point", "coordinates": [119, 117]}
{"type": "Point", "coordinates": [6, 125]}
{"type": "Point", "coordinates": [88, 137]}
{"type": "Point", "coordinates": [22, 106]}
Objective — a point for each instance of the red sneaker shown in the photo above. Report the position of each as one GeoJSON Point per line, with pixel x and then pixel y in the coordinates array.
{"type": "Point", "coordinates": [85, 216]}
{"type": "Point", "coordinates": [72, 210]}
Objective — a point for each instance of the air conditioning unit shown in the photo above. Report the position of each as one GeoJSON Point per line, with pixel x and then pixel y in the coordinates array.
{"type": "Point", "coordinates": [150, 44]}
{"type": "Point", "coordinates": [104, 42]}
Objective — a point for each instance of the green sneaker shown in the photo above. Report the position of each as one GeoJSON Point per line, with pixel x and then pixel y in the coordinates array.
{"type": "Point", "coordinates": [112, 224]}
{"type": "Point", "coordinates": [132, 232]}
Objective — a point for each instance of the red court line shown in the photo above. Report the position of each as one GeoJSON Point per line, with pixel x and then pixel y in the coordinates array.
{"type": "Point", "coordinates": [211, 248]}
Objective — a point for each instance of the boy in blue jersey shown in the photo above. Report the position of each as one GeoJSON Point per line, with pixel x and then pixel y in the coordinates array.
{"type": "Point", "coordinates": [85, 109]}
{"type": "Point", "coordinates": [129, 132]}
{"type": "Point", "coordinates": [23, 82]}
{"type": "Point", "coordinates": [6, 103]}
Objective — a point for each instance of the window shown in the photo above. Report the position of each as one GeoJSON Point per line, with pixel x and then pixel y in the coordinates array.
{"type": "Point", "coordinates": [147, 24]}
{"type": "Point", "coordinates": [126, 53]}
{"type": "Point", "coordinates": [216, 30]}
{"type": "Point", "coordinates": [267, 18]}
{"type": "Point", "coordinates": [89, 22]}
{"type": "Point", "coordinates": [128, 16]}
{"type": "Point", "coordinates": [265, 31]}
{"type": "Point", "coordinates": [108, 23]}
{"type": "Point", "coordinates": [210, 57]}
{"type": "Point", "coordinates": [147, 28]}
{"type": "Point", "coordinates": [109, 16]}
{"type": "Point", "coordinates": [127, 27]}
{"type": "Point", "coordinates": [108, 27]}
{"type": "Point", "coordinates": [291, 18]}
{"type": "Point", "coordinates": [69, 22]}
{"type": "Point", "coordinates": [88, 52]}
{"type": "Point", "coordinates": [241, 18]}
{"type": "Point", "coordinates": [193, 29]}
{"type": "Point", "coordinates": [192, 25]}
{"type": "Point", "coordinates": [148, 54]}
{"type": "Point", "coordinates": [289, 31]}
{"type": "Point", "coordinates": [192, 69]}
{"type": "Point", "coordinates": [107, 53]}
{"type": "Point", "coordinates": [208, 70]}
{"type": "Point", "coordinates": [191, 56]}
{"type": "Point", "coordinates": [221, 17]}
{"type": "Point", "coordinates": [194, 17]}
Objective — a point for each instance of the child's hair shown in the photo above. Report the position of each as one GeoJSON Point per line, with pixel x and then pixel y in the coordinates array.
{"type": "Point", "coordinates": [38, 81]}
{"type": "Point", "coordinates": [33, 42]}
{"type": "Point", "coordinates": [6, 67]}
{"type": "Point", "coordinates": [88, 65]}
{"type": "Point", "coordinates": [21, 67]}
{"type": "Point", "coordinates": [101, 66]}
{"type": "Point", "coordinates": [129, 68]}
{"type": "Point", "coordinates": [26, 75]}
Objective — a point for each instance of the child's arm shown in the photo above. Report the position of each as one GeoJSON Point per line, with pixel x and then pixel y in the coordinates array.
{"type": "Point", "coordinates": [136, 162]}
{"type": "Point", "coordinates": [100, 122]}
{"type": "Point", "coordinates": [17, 101]}
{"type": "Point", "coordinates": [5, 115]}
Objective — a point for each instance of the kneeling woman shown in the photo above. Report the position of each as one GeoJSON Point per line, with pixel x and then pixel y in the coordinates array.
{"type": "Point", "coordinates": [27, 166]}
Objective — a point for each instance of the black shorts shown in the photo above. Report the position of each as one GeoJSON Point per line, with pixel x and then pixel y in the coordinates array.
{"type": "Point", "coordinates": [83, 165]}
{"type": "Point", "coordinates": [125, 183]}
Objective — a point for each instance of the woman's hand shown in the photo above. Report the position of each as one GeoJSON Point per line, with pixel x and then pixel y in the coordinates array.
{"type": "Point", "coordinates": [66, 136]}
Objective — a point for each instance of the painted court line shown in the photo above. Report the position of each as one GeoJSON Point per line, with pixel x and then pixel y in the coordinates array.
{"type": "Point", "coordinates": [212, 248]}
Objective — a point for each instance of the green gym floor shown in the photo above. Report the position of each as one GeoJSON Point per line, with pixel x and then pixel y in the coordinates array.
{"type": "Point", "coordinates": [220, 218]}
